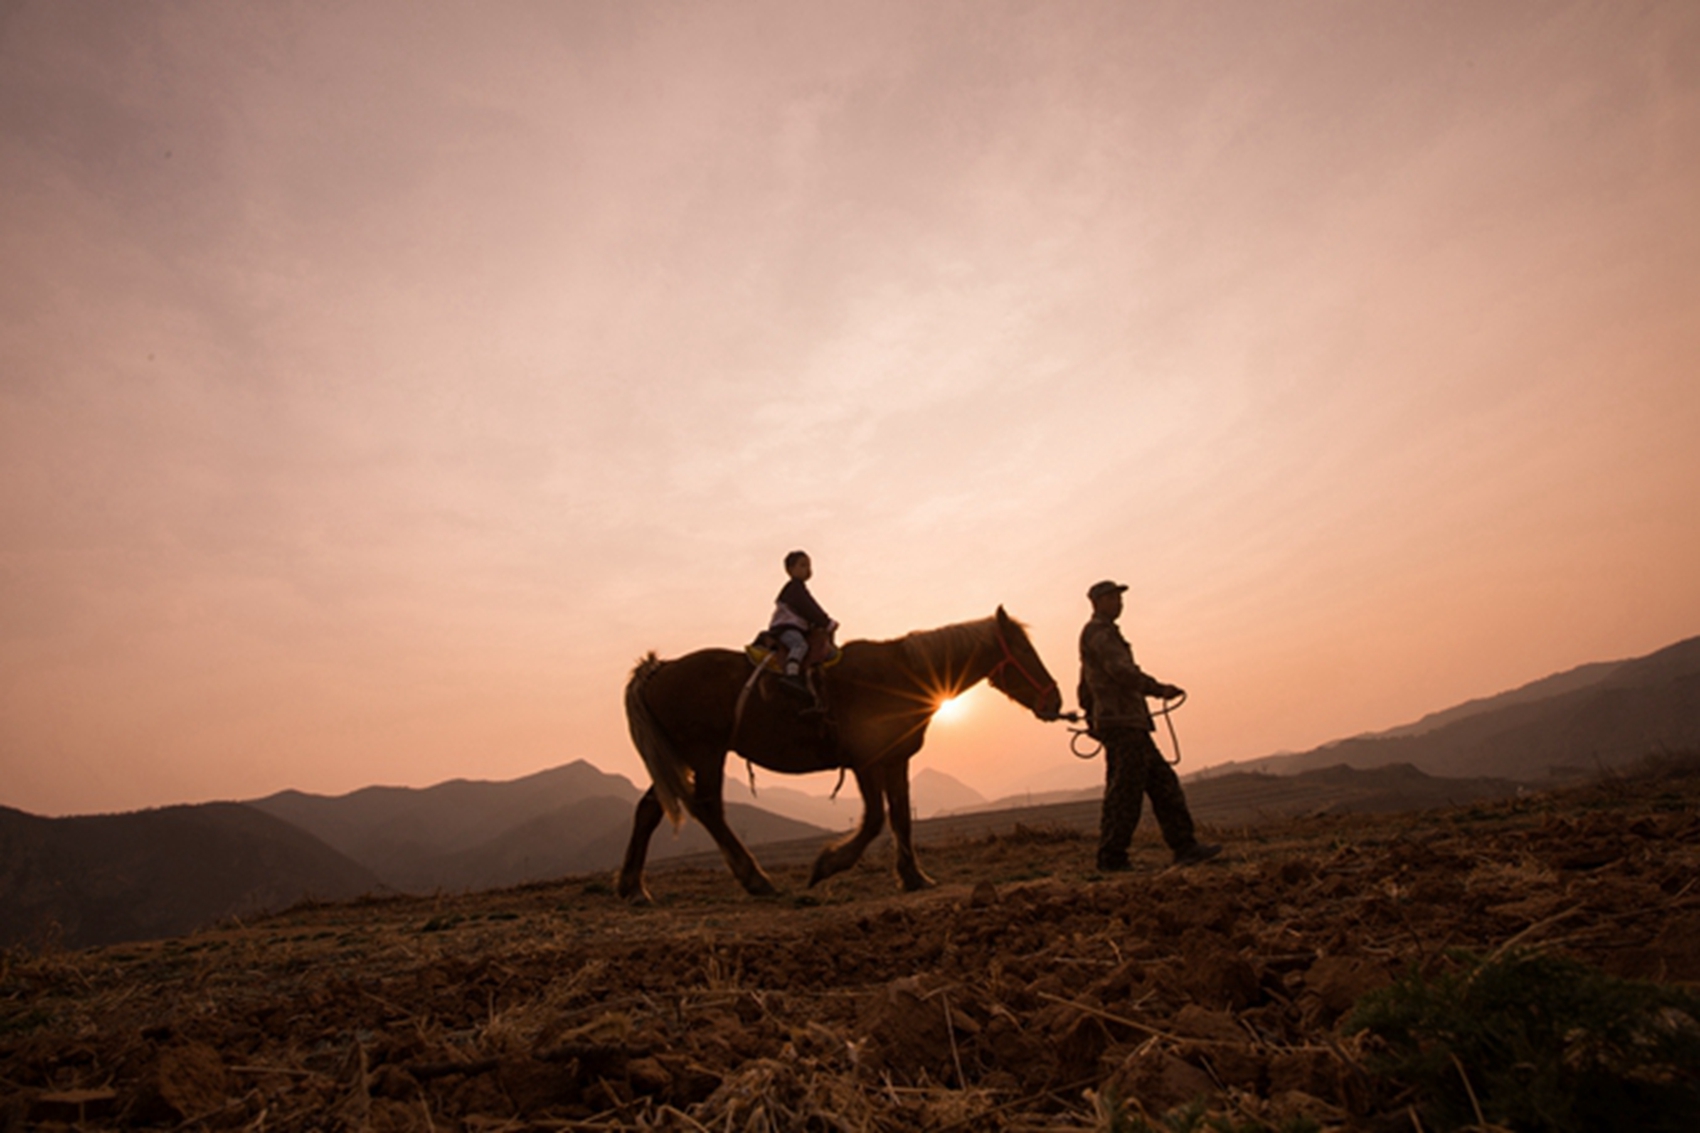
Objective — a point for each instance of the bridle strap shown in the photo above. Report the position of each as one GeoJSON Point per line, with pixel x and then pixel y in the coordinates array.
{"type": "Point", "coordinates": [1010, 659]}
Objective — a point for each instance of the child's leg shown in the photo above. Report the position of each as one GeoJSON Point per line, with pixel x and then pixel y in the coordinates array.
{"type": "Point", "coordinates": [796, 648]}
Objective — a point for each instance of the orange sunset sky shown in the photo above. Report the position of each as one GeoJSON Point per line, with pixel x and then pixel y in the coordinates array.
{"type": "Point", "coordinates": [378, 381]}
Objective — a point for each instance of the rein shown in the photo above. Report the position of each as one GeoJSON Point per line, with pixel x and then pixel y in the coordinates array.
{"type": "Point", "coordinates": [1174, 740]}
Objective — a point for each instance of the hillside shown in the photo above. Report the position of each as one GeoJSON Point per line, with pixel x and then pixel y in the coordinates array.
{"type": "Point", "coordinates": [101, 879]}
{"type": "Point", "coordinates": [1567, 726]}
{"type": "Point", "coordinates": [1241, 802]}
{"type": "Point", "coordinates": [931, 792]}
{"type": "Point", "coordinates": [104, 878]}
{"type": "Point", "coordinates": [158, 873]}
{"type": "Point", "coordinates": [779, 794]}
{"type": "Point", "coordinates": [584, 837]}
{"type": "Point", "coordinates": [390, 830]}
{"type": "Point", "coordinates": [1025, 992]}
{"type": "Point", "coordinates": [467, 834]}
{"type": "Point", "coordinates": [1558, 684]}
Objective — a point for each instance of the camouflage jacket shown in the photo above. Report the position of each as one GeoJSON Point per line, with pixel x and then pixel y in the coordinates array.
{"type": "Point", "coordinates": [1113, 687]}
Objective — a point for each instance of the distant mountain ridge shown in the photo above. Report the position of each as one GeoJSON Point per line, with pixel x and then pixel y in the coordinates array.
{"type": "Point", "coordinates": [100, 879]}
{"type": "Point", "coordinates": [772, 792]}
{"type": "Point", "coordinates": [469, 834]}
{"type": "Point", "coordinates": [935, 793]}
{"type": "Point", "coordinates": [394, 830]}
{"type": "Point", "coordinates": [1561, 727]}
{"type": "Point", "coordinates": [1556, 685]}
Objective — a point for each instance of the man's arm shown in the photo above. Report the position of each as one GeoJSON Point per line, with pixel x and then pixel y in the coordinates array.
{"type": "Point", "coordinates": [1108, 655]}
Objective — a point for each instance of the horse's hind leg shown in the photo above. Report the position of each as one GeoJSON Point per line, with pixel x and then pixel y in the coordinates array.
{"type": "Point", "coordinates": [846, 852]}
{"type": "Point", "coordinates": [708, 807]}
{"type": "Point", "coordinates": [644, 821]}
{"type": "Point", "coordinates": [897, 795]}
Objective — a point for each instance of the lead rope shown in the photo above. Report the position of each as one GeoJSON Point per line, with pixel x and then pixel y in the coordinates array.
{"type": "Point", "coordinates": [1097, 746]}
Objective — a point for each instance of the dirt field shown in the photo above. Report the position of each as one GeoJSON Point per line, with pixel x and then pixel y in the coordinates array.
{"type": "Point", "coordinates": [1024, 993]}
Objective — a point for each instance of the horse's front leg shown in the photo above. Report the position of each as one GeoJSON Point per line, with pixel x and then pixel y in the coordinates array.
{"type": "Point", "coordinates": [896, 776]}
{"type": "Point", "coordinates": [841, 855]}
{"type": "Point", "coordinates": [708, 806]}
{"type": "Point", "coordinates": [629, 884]}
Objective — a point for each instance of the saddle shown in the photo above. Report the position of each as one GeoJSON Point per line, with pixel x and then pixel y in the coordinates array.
{"type": "Point", "coordinates": [823, 650]}
{"type": "Point", "coordinates": [767, 656]}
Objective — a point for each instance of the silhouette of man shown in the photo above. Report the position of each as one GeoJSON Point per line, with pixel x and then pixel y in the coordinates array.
{"type": "Point", "coordinates": [1112, 693]}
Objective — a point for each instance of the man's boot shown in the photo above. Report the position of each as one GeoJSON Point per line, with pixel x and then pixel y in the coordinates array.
{"type": "Point", "coordinates": [1195, 853]}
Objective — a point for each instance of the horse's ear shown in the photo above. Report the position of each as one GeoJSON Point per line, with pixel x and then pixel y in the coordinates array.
{"type": "Point", "coordinates": [1003, 617]}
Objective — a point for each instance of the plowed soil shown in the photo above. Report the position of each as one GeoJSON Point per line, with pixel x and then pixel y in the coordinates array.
{"type": "Point", "coordinates": [1018, 995]}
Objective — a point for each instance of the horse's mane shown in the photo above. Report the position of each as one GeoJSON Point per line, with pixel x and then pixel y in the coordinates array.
{"type": "Point", "coordinates": [957, 640]}
{"type": "Point", "coordinates": [923, 646]}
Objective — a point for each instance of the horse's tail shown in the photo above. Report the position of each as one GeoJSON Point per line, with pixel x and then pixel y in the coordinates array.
{"type": "Point", "coordinates": [666, 770]}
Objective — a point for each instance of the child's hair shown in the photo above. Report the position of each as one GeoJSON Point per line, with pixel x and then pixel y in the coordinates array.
{"type": "Point", "coordinates": [791, 559]}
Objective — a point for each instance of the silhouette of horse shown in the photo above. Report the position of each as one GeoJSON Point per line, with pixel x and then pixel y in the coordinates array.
{"type": "Point", "coordinates": [686, 714]}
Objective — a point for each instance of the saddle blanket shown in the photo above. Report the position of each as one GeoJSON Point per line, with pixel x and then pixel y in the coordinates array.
{"type": "Point", "coordinates": [760, 653]}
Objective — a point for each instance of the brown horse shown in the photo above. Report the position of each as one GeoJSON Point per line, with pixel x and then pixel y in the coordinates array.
{"type": "Point", "coordinates": [685, 715]}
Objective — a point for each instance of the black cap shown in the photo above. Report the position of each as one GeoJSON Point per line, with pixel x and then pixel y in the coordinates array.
{"type": "Point", "coordinates": [1099, 589]}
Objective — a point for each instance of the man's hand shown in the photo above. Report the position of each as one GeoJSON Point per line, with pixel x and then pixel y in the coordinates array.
{"type": "Point", "coordinates": [1173, 692]}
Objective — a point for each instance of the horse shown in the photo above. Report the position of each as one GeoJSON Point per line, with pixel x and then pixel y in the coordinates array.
{"type": "Point", "coordinates": [686, 714]}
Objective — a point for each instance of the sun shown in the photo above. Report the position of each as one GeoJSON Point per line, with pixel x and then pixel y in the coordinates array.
{"type": "Point", "coordinates": [950, 709]}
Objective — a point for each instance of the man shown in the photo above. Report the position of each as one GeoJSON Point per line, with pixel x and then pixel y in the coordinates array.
{"type": "Point", "coordinates": [1112, 694]}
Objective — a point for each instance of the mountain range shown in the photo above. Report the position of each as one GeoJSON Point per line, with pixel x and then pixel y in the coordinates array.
{"type": "Point", "coordinates": [101, 879]}
{"type": "Point", "coordinates": [107, 878]}
{"type": "Point", "coordinates": [467, 834]}
{"type": "Point", "coordinates": [1566, 726]}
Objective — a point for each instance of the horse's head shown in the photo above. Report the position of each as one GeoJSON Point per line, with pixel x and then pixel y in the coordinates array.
{"type": "Point", "coordinates": [1020, 675]}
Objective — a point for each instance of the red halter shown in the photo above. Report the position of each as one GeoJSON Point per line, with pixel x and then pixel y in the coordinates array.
{"type": "Point", "coordinates": [1010, 659]}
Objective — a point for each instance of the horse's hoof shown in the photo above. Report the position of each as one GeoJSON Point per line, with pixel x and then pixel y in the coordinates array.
{"type": "Point", "coordinates": [823, 869]}
{"type": "Point", "coordinates": [917, 883]}
{"type": "Point", "coordinates": [761, 887]}
{"type": "Point", "coordinates": [633, 893]}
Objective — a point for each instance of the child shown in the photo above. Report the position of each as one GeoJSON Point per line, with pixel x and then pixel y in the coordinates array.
{"type": "Point", "coordinates": [795, 613]}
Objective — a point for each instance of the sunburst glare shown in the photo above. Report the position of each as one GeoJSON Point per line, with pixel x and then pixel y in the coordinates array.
{"type": "Point", "coordinates": [950, 709]}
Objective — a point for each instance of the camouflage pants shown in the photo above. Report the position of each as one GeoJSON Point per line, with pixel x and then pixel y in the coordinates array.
{"type": "Point", "coordinates": [1134, 768]}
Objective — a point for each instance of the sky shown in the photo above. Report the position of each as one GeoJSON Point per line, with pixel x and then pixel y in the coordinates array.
{"type": "Point", "coordinates": [380, 381]}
